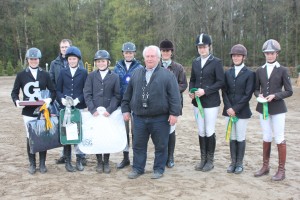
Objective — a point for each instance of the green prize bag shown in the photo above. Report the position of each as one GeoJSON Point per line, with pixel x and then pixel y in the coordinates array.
{"type": "Point", "coordinates": [70, 126]}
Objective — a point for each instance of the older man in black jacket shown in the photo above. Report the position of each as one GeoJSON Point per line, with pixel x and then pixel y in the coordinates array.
{"type": "Point", "coordinates": [153, 96]}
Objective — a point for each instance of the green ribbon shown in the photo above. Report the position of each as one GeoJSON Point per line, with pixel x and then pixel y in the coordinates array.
{"type": "Point", "coordinates": [265, 111]}
{"type": "Point", "coordinates": [229, 127]}
{"type": "Point", "coordinates": [193, 90]}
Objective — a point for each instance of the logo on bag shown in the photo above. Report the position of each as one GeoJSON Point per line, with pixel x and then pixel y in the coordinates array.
{"type": "Point", "coordinates": [36, 91]}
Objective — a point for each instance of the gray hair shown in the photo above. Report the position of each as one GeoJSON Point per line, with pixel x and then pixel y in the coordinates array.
{"type": "Point", "coordinates": [154, 48]}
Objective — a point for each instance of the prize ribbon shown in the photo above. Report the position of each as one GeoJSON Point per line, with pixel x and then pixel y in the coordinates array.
{"type": "Point", "coordinates": [229, 127]}
{"type": "Point", "coordinates": [67, 116]}
{"type": "Point", "coordinates": [193, 90]}
{"type": "Point", "coordinates": [47, 116]}
{"type": "Point", "coordinates": [265, 111]}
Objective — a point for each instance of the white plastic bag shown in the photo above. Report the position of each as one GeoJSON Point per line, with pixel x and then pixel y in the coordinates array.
{"type": "Point", "coordinates": [103, 134]}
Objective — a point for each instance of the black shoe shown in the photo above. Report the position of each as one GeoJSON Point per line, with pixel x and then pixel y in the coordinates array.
{"type": "Point", "coordinates": [83, 161]}
{"type": "Point", "coordinates": [106, 168]}
{"type": "Point", "coordinates": [231, 168]}
{"type": "Point", "coordinates": [61, 160]}
{"type": "Point", "coordinates": [79, 165]}
{"type": "Point", "coordinates": [32, 169]}
{"type": "Point", "coordinates": [133, 174]}
{"type": "Point", "coordinates": [156, 175]}
{"type": "Point", "coordinates": [99, 167]}
{"type": "Point", "coordinates": [69, 167]}
{"type": "Point", "coordinates": [170, 163]}
{"type": "Point", "coordinates": [123, 164]}
{"type": "Point", "coordinates": [32, 161]}
{"type": "Point", "coordinates": [43, 169]}
{"type": "Point", "coordinates": [239, 169]}
{"type": "Point", "coordinates": [171, 148]}
{"type": "Point", "coordinates": [208, 166]}
{"type": "Point", "coordinates": [199, 166]}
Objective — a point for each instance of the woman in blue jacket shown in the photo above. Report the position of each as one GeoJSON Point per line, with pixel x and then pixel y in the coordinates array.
{"type": "Point", "coordinates": [237, 92]}
{"type": "Point", "coordinates": [124, 69]}
{"type": "Point", "coordinates": [70, 83]}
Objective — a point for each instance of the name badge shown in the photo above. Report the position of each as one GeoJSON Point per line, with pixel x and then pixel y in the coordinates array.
{"type": "Point", "coordinates": [72, 131]}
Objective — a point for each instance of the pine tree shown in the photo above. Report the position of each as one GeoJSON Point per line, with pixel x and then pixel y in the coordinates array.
{"type": "Point", "coordinates": [1, 69]}
{"type": "Point", "coordinates": [19, 67]}
{"type": "Point", "coordinates": [9, 69]}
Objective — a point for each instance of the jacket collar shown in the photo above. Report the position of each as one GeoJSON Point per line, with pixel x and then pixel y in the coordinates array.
{"type": "Point", "coordinates": [277, 65]}
{"type": "Point", "coordinates": [98, 75]}
{"type": "Point", "coordinates": [232, 71]}
{"type": "Point", "coordinates": [28, 70]}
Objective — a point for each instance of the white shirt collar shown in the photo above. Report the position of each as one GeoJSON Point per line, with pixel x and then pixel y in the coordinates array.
{"type": "Point", "coordinates": [275, 64]}
{"type": "Point", "coordinates": [33, 72]}
{"type": "Point", "coordinates": [103, 73]}
{"type": "Point", "coordinates": [239, 66]}
{"type": "Point", "coordinates": [203, 60]}
{"type": "Point", "coordinates": [73, 70]}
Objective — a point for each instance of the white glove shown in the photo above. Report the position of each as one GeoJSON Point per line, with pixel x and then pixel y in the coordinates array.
{"type": "Point", "coordinates": [75, 102]}
{"type": "Point", "coordinates": [101, 110]}
{"type": "Point", "coordinates": [63, 101]}
{"type": "Point", "coordinates": [18, 105]}
{"type": "Point", "coordinates": [47, 101]}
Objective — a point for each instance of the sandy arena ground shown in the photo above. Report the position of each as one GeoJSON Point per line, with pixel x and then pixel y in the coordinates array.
{"type": "Point", "coordinates": [180, 182]}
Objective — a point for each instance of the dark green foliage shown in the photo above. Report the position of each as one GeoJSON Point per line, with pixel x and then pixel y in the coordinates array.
{"type": "Point", "coordinates": [19, 67]}
{"type": "Point", "coordinates": [1, 69]}
{"type": "Point", "coordinates": [10, 69]}
{"type": "Point", "coordinates": [106, 24]}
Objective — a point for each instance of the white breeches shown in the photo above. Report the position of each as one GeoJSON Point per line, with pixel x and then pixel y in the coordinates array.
{"type": "Point", "coordinates": [206, 126]}
{"type": "Point", "coordinates": [238, 131]}
{"type": "Point", "coordinates": [27, 119]}
{"type": "Point", "coordinates": [274, 125]}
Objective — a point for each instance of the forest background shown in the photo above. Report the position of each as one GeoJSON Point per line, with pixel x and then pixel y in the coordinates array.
{"type": "Point", "coordinates": [107, 24]}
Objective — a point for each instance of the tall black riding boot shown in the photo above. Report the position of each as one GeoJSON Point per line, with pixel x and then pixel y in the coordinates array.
{"type": "Point", "coordinates": [99, 167]}
{"type": "Point", "coordinates": [67, 154]}
{"type": "Point", "coordinates": [171, 148]}
{"type": "Point", "coordinates": [203, 149]}
{"type": "Point", "coordinates": [211, 145]}
{"type": "Point", "coordinates": [43, 168]}
{"type": "Point", "coordinates": [106, 167]}
{"type": "Point", "coordinates": [233, 153]}
{"type": "Point", "coordinates": [241, 146]}
{"type": "Point", "coordinates": [32, 161]}
{"type": "Point", "coordinates": [79, 165]}
{"type": "Point", "coordinates": [125, 162]}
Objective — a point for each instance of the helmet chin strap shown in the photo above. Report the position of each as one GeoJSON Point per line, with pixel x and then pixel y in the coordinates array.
{"type": "Point", "coordinates": [272, 62]}
{"type": "Point", "coordinates": [103, 69]}
{"type": "Point", "coordinates": [33, 67]}
{"type": "Point", "coordinates": [239, 64]}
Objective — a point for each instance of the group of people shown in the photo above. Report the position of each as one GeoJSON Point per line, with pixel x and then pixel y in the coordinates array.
{"type": "Point", "coordinates": [151, 98]}
{"type": "Point", "coordinates": [270, 84]}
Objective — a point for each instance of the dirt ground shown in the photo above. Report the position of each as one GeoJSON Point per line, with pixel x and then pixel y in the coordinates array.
{"type": "Point", "coordinates": [180, 182]}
